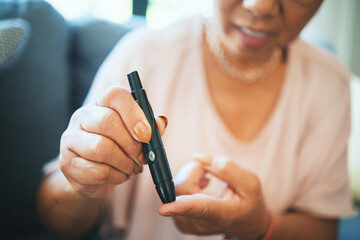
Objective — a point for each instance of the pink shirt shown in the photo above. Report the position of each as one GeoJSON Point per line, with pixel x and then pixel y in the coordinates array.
{"type": "Point", "coordinates": [299, 155]}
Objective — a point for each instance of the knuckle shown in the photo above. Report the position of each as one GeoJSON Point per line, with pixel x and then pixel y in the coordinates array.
{"type": "Point", "coordinates": [104, 149]}
{"type": "Point", "coordinates": [254, 184]}
{"type": "Point", "coordinates": [204, 211]}
{"type": "Point", "coordinates": [133, 110]}
{"type": "Point", "coordinates": [109, 118]}
{"type": "Point", "coordinates": [112, 93]}
{"type": "Point", "coordinates": [62, 164]}
{"type": "Point", "coordinates": [65, 136]}
{"type": "Point", "coordinates": [79, 187]}
{"type": "Point", "coordinates": [109, 122]}
{"type": "Point", "coordinates": [133, 149]}
{"type": "Point", "coordinates": [76, 116]}
{"type": "Point", "coordinates": [102, 174]}
{"type": "Point", "coordinates": [128, 167]}
{"type": "Point", "coordinates": [110, 153]}
{"type": "Point", "coordinates": [88, 190]}
{"type": "Point", "coordinates": [63, 161]}
{"type": "Point", "coordinates": [97, 146]}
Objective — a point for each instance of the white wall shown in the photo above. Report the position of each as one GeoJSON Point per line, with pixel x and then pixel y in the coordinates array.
{"type": "Point", "coordinates": [355, 58]}
{"type": "Point", "coordinates": [338, 20]}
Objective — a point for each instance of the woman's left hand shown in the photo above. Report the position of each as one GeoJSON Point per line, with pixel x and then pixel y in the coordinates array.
{"type": "Point", "coordinates": [240, 210]}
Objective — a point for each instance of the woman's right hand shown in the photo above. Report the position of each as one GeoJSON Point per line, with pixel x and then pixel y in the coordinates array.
{"type": "Point", "coordinates": [102, 145]}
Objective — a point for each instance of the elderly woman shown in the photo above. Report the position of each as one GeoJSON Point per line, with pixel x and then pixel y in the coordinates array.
{"type": "Point", "coordinates": [268, 113]}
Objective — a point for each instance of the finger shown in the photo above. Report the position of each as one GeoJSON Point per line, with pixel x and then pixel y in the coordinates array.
{"type": "Point", "coordinates": [87, 173]}
{"type": "Point", "coordinates": [92, 191]}
{"type": "Point", "coordinates": [228, 193]}
{"type": "Point", "coordinates": [161, 122]}
{"type": "Point", "coordinates": [186, 224]}
{"type": "Point", "coordinates": [202, 158]}
{"type": "Point", "coordinates": [188, 179]}
{"type": "Point", "coordinates": [193, 226]}
{"type": "Point", "coordinates": [238, 178]}
{"type": "Point", "coordinates": [199, 206]}
{"type": "Point", "coordinates": [93, 173]}
{"type": "Point", "coordinates": [107, 122]}
{"type": "Point", "coordinates": [120, 100]}
{"type": "Point", "coordinates": [100, 149]}
{"type": "Point", "coordinates": [204, 182]}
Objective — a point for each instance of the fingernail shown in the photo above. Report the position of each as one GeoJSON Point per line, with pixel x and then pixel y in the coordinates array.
{"type": "Point", "coordinates": [220, 161]}
{"type": "Point", "coordinates": [142, 132]}
{"type": "Point", "coordinates": [169, 214]}
{"type": "Point", "coordinates": [138, 169]}
{"type": "Point", "coordinates": [165, 119]}
{"type": "Point", "coordinates": [202, 158]}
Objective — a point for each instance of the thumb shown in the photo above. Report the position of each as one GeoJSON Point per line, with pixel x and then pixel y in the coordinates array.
{"type": "Point", "coordinates": [161, 122]}
{"type": "Point", "coordinates": [237, 177]}
{"type": "Point", "coordinates": [200, 206]}
{"type": "Point", "coordinates": [189, 179]}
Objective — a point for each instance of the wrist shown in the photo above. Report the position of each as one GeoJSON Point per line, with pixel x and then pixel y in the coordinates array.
{"type": "Point", "coordinates": [270, 227]}
{"type": "Point", "coordinates": [63, 210]}
{"type": "Point", "coordinates": [266, 233]}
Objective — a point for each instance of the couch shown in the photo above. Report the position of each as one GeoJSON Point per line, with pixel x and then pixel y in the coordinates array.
{"type": "Point", "coordinates": [37, 97]}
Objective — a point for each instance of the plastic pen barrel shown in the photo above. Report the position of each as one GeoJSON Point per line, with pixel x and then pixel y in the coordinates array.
{"type": "Point", "coordinates": [154, 150]}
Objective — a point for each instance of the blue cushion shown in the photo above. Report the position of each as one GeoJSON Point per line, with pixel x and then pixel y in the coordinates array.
{"type": "Point", "coordinates": [349, 229]}
{"type": "Point", "coordinates": [14, 34]}
{"type": "Point", "coordinates": [35, 108]}
{"type": "Point", "coordinates": [92, 41]}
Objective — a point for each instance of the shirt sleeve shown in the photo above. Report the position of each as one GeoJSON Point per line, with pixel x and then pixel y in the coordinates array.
{"type": "Point", "coordinates": [324, 189]}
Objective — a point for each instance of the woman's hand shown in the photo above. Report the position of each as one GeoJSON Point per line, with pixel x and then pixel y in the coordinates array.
{"type": "Point", "coordinates": [102, 145]}
{"type": "Point", "coordinates": [240, 210]}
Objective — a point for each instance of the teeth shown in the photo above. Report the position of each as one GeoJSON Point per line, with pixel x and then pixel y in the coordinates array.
{"type": "Point", "coordinates": [255, 34]}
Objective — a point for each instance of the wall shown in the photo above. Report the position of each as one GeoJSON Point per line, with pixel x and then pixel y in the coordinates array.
{"type": "Point", "coordinates": [337, 20]}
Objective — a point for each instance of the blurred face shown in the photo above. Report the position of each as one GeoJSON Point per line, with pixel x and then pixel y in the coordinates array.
{"type": "Point", "coordinates": [252, 29]}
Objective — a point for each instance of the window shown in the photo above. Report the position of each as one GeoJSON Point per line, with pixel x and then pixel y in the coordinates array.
{"type": "Point", "coordinates": [113, 10]}
{"type": "Point", "coordinates": [159, 12]}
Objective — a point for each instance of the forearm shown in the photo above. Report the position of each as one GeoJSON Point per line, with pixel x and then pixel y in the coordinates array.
{"type": "Point", "coordinates": [298, 225]}
{"type": "Point", "coordinates": [64, 211]}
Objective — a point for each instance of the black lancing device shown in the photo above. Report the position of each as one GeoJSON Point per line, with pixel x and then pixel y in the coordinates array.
{"type": "Point", "coordinates": [154, 150]}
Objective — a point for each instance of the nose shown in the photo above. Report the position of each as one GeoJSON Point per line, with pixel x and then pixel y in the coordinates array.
{"type": "Point", "coordinates": [262, 8]}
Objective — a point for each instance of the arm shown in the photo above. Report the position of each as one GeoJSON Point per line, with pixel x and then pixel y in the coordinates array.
{"type": "Point", "coordinates": [299, 225]}
{"type": "Point", "coordinates": [63, 210]}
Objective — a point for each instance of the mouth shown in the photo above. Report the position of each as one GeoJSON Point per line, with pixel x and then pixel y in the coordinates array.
{"type": "Point", "coordinates": [254, 37]}
{"type": "Point", "coordinates": [255, 33]}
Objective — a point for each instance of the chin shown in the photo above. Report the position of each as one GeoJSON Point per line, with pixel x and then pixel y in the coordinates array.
{"type": "Point", "coordinates": [252, 54]}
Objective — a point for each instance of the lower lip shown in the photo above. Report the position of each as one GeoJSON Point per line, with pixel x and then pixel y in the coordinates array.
{"type": "Point", "coordinates": [252, 41]}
